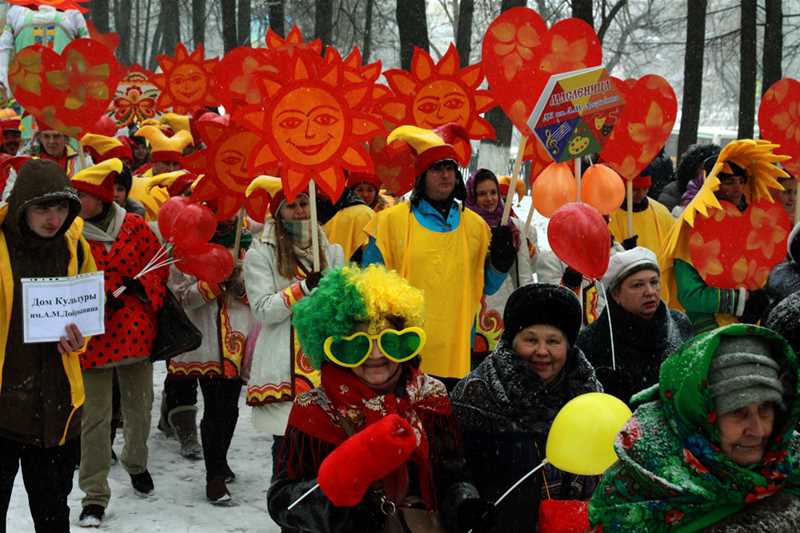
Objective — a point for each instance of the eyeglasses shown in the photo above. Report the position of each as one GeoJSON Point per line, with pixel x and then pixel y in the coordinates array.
{"type": "Point", "coordinates": [397, 346]}
{"type": "Point", "coordinates": [441, 166]}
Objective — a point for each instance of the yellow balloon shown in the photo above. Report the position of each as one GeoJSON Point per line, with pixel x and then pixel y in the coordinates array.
{"type": "Point", "coordinates": [581, 439]}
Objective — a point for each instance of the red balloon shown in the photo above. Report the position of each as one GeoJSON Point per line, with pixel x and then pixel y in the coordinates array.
{"type": "Point", "coordinates": [167, 214]}
{"type": "Point", "coordinates": [194, 225]}
{"type": "Point", "coordinates": [212, 263]}
{"type": "Point", "coordinates": [579, 236]}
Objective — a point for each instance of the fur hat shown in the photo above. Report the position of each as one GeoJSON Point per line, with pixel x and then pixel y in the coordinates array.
{"type": "Point", "coordinates": [98, 180]}
{"type": "Point", "coordinates": [542, 303]}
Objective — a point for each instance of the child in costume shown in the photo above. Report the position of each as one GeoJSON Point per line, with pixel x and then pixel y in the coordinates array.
{"type": "Point", "coordinates": [362, 328]}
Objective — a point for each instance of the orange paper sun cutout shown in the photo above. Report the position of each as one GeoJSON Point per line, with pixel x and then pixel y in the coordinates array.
{"type": "Point", "coordinates": [434, 94]}
{"type": "Point", "coordinates": [312, 124]}
{"type": "Point", "coordinates": [186, 80]}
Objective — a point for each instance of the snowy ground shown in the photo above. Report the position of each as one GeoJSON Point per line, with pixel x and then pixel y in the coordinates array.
{"type": "Point", "coordinates": [178, 504]}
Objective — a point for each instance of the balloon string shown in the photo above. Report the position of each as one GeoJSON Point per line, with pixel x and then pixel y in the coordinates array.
{"type": "Point", "coordinates": [610, 328]}
{"type": "Point", "coordinates": [119, 290]}
{"type": "Point", "coordinates": [303, 497]}
{"type": "Point", "coordinates": [518, 483]}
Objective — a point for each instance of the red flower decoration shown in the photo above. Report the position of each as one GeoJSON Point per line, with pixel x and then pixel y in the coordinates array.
{"type": "Point", "coordinates": [692, 461]}
{"type": "Point", "coordinates": [673, 516]}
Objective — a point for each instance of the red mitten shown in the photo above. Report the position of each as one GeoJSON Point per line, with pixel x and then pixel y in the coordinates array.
{"type": "Point", "coordinates": [369, 455]}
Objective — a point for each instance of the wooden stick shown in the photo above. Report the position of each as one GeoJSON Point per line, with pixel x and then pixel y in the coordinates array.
{"type": "Point", "coordinates": [578, 179]}
{"type": "Point", "coordinates": [529, 219]}
{"type": "Point", "coordinates": [512, 187]}
{"type": "Point", "coordinates": [238, 242]}
{"type": "Point", "coordinates": [312, 199]}
{"type": "Point", "coordinates": [629, 193]}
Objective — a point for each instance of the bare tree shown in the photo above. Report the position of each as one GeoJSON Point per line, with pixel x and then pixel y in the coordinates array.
{"type": "Point", "coordinates": [323, 21]}
{"type": "Point", "coordinates": [171, 30]}
{"type": "Point", "coordinates": [99, 13]}
{"type": "Point", "coordinates": [244, 14]}
{"type": "Point", "coordinates": [229, 38]}
{"type": "Point", "coordinates": [413, 25]}
{"type": "Point", "coordinates": [582, 9]}
{"type": "Point", "coordinates": [693, 73]}
{"type": "Point", "coordinates": [466, 9]}
{"type": "Point", "coordinates": [198, 22]}
{"type": "Point", "coordinates": [366, 47]}
{"type": "Point", "coordinates": [747, 69]}
{"type": "Point", "coordinates": [123, 10]}
{"type": "Point", "coordinates": [276, 17]}
{"type": "Point", "coordinates": [773, 44]}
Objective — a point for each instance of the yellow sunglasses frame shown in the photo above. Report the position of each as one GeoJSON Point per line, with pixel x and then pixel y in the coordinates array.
{"type": "Point", "coordinates": [372, 340]}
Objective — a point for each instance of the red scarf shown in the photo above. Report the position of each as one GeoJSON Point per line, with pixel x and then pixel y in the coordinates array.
{"type": "Point", "coordinates": [343, 405]}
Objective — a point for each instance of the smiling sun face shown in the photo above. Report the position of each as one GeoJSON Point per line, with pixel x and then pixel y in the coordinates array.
{"type": "Point", "coordinates": [186, 80]}
{"type": "Point", "coordinates": [434, 94]}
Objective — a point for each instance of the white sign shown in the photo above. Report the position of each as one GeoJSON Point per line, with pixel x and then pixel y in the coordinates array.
{"type": "Point", "coordinates": [50, 304]}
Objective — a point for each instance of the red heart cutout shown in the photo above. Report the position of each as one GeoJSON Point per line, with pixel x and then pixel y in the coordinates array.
{"type": "Point", "coordinates": [520, 54]}
{"type": "Point", "coordinates": [731, 249]}
{"type": "Point", "coordinates": [778, 118]}
{"type": "Point", "coordinates": [644, 125]}
{"type": "Point", "coordinates": [67, 91]}
{"type": "Point", "coordinates": [236, 76]}
{"type": "Point", "coordinates": [394, 165]}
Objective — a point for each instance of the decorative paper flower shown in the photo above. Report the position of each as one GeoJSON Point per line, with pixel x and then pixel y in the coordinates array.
{"type": "Point", "coordinates": [651, 132]}
{"type": "Point", "coordinates": [515, 45]}
{"type": "Point", "coordinates": [565, 56]}
{"type": "Point", "coordinates": [765, 231]}
{"type": "Point", "coordinates": [705, 255]}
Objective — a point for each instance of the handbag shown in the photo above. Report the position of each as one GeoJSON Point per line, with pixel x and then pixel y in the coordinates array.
{"type": "Point", "coordinates": [411, 517]}
{"type": "Point", "coordinates": [175, 333]}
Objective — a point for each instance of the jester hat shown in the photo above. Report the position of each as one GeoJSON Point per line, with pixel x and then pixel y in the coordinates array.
{"type": "Point", "coordinates": [446, 143]}
{"type": "Point", "coordinates": [102, 148]}
{"type": "Point", "coordinates": [349, 296]}
{"type": "Point", "coordinates": [98, 180]}
{"type": "Point", "coordinates": [164, 148]}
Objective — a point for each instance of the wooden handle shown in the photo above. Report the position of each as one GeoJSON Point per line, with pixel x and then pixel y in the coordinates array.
{"type": "Point", "coordinates": [512, 187]}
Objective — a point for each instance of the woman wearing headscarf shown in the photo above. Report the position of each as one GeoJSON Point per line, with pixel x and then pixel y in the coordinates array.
{"type": "Point", "coordinates": [504, 408]}
{"type": "Point", "coordinates": [278, 272]}
{"type": "Point", "coordinates": [363, 329]}
{"type": "Point", "coordinates": [713, 446]}
{"type": "Point", "coordinates": [483, 197]}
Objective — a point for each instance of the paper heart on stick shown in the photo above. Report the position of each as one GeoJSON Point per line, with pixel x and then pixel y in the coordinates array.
{"type": "Point", "coordinates": [644, 125]}
{"type": "Point", "coordinates": [520, 54]}
{"type": "Point", "coordinates": [394, 165]}
{"type": "Point", "coordinates": [779, 120]}
{"type": "Point", "coordinates": [67, 91]}
{"type": "Point", "coordinates": [731, 249]}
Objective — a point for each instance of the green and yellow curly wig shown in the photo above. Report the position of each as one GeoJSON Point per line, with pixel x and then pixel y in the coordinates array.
{"type": "Point", "coordinates": [348, 296]}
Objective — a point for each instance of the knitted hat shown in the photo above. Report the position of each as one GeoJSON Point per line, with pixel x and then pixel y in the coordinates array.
{"type": "Point", "coordinates": [165, 148]}
{"type": "Point", "coordinates": [430, 146]}
{"type": "Point", "coordinates": [542, 303]}
{"type": "Point", "coordinates": [102, 148]}
{"type": "Point", "coordinates": [98, 180]}
{"type": "Point", "coordinates": [9, 120]}
{"type": "Point", "coordinates": [624, 264]}
{"type": "Point", "coordinates": [784, 319]}
{"type": "Point", "coordinates": [743, 372]}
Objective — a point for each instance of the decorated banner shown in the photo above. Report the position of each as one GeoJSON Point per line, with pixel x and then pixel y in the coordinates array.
{"type": "Point", "coordinates": [134, 99]}
{"type": "Point", "coordinates": [779, 120]}
{"type": "Point", "coordinates": [186, 80]}
{"type": "Point", "coordinates": [576, 113]}
{"type": "Point", "coordinates": [731, 249]}
{"type": "Point", "coordinates": [69, 91]}
{"type": "Point", "coordinates": [520, 54]}
{"type": "Point", "coordinates": [643, 127]}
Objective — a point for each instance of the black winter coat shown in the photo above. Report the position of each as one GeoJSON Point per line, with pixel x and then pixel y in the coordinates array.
{"type": "Point", "coordinates": [504, 411]}
{"type": "Point", "coordinates": [670, 195]}
{"type": "Point", "coordinates": [640, 347]}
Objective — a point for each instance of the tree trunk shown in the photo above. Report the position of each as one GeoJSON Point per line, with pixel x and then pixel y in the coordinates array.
{"type": "Point", "coordinates": [412, 23]}
{"type": "Point", "coordinates": [146, 36]}
{"type": "Point", "coordinates": [747, 70]}
{"type": "Point", "coordinates": [276, 17]}
{"type": "Point", "coordinates": [693, 73]}
{"type": "Point", "coordinates": [99, 14]}
{"type": "Point", "coordinates": [137, 32]}
{"type": "Point", "coordinates": [244, 15]}
{"type": "Point", "coordinates": [772, 70]}
{"type": "Point", "coordinates": [198, 22]}
{"type": "Point", "coordinates": [123, 14]}
{"type": "Point", "coordinates": [582, 9]}
{"type": "Point", "coordinates": [170, 27]}
{"type": "Point", "coordinates": [228, 24]}
{"type": "Point", "coordinates": [464, 31]}
{"type": "Point", "coordinates": [366, 49]}
{"type": "Point", "coordinates": [155, 47]}
{"type": "Point", "coordinates": [323, 21]}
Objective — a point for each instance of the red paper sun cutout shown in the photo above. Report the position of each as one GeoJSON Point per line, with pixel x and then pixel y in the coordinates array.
{"type": "Point", "coordinates": [185, 83]}
{"type": "Point", "coordinates": [61, 5]}
{"type": "Point", "coordinates": [434, 94]}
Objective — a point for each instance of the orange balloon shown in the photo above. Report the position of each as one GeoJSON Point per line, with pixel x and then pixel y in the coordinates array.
{"type": "Point", "coordinates": [602, 188]}
{"type": "Point", "coordinates": [554, 187]}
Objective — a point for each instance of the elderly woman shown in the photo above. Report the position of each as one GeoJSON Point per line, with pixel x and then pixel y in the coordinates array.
{"type": "Point", "coordinates": [645, 332]}
{"type": "Point", "coordinates": [362, 327]}
{"type": "Point", "coordinates": [505, 406]}
{"type": "Point", "coordinates": [714, 446]}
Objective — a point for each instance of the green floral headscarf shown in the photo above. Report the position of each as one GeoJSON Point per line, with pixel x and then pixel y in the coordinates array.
{"type": "Point", "coordinates": [672, 474]}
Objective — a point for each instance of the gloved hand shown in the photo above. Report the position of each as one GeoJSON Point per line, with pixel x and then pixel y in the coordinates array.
{"type": "Point", "coordinates": [755, 307]}
{"type": "Point", "coordinates": [134, 287]}
{"type": "Point", "coordinates": [371, 454]}
{"type": "Point", "coordinates": [501, 248]}
{"type": "Point", "coordinates": [312, 280]}
{"type": "Point", "coordinates": [630, 242]}
{"type": "Point", "coordinates": [235, 284]}
{"type": "Point", "coordinates": [112, 303]}
{"type": "Point", "coordinates": [476, 514]}
{"type": "Point", "coordinates": [571, 279]}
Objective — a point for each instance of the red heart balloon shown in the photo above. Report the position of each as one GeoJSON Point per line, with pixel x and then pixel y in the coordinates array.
{"type": "Point", "coordinates": [778, 119]}
{"type": "Point", "coordinates": [644, 125]}
{"type": "Point", "coordinates": [69, 91]}
{"type": "Point", "coordinates": [731, 249]}
{"type": "Point", "coordinates": [579, 236]}
{"type": "Point", "coordinates": [211, 263]}
{"type": "Point", "coordinates": [194, 226]}
{"type": "Point", "coordinates": [520, 54]}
